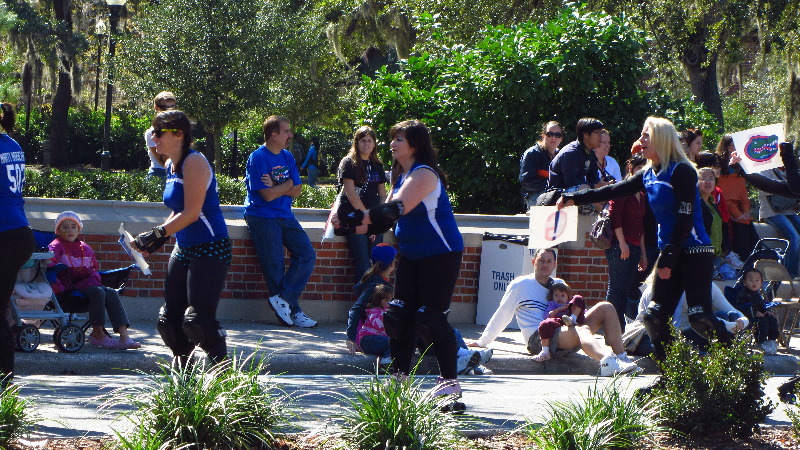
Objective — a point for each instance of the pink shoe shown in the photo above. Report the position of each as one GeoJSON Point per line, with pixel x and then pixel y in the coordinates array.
{"type": "Point", "coordinates": [105, 342]}
{"type": "Point", "coordinates": [446, 387]}
{"type": "Point", "coordinates": [128, 344]}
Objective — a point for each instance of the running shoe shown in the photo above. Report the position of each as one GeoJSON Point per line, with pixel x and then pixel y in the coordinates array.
{"type": "Point", "coordinates": [282, 310]}
{"type": "Point", "coordinates": [303, 321]}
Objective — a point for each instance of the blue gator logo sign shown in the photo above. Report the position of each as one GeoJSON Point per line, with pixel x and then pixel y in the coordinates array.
{"type": "Point", "coordinates": [761, 148]}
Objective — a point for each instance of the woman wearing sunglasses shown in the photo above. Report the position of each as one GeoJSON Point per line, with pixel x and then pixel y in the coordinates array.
{"type": "Point", "coordinates": [534, 167]}
{"type": "Point", "coordinates": [199, 262]}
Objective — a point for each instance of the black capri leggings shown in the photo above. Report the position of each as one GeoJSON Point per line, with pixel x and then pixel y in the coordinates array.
{"type": "Point", "coordinates": [17, 244]}
{"type": "Point", "coordinates": [196, 277]}
{"type": "Point", "coordinates": [427, 283]}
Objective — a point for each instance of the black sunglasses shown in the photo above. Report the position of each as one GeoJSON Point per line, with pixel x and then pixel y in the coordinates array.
{"type": "Point", "coordinates": [554, 134]}
{"type": "Point", "coordinates": [160, 131]}
{"type": "Point", "coordinates": [163, 107]}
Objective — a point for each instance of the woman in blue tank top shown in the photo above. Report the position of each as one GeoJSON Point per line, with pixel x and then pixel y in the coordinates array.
{"type": "Point", "coordinates": [686, 261]}
{"type": "Point", "coordinates": [16, 238]}
{"type": "Point", "coordinates": [430, 252]}
{"type": "Point", "coordinates": [199, 262]}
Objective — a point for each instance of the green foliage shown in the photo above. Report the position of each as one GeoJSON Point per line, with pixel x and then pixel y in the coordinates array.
{"type": "Point", "coordinates": [794, 417]}
{"type": "Point", "coordinates": [761, 100]}
{"type": "Point", "coordinates": [719, 392]}
{"type": "Point", "coordinates": [135, 186]}
{"type": "Point", "coordinates": [224, 406]}
{"type": "Point", "coordinates": [85, 136]}
{"type": "Point", "coordinates": [604, 418]}
{"type": "Point", "coordinates": [17, 415]}
{"type": "Point", "coordinates": [486, 103]}
{"type": "Point", "coordinates": [390, 413]}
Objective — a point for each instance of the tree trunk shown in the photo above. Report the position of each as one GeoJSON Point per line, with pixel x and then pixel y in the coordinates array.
{"type": "Point", "coordinates": [792, 126]}
{"type": "Point", "coordinates": [59, 122]}
{"type": "Point", "coordinates": [701, 67]}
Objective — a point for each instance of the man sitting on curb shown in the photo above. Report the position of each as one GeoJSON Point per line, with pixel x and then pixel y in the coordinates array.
{"type": "Point", "coordinates": [526, 297]}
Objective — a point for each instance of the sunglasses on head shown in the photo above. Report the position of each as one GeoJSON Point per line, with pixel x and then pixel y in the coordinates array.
{"type": "Point", "coordinates": [166, 107]}
{"type": "Point", "coordinates": [159, 132]}
{"type": "Point", "coordinates": [555, 134]}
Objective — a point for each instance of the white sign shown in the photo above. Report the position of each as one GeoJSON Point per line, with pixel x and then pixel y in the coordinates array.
{"type": "Point", "coordinates": [550, 227]}
{"type": "Point", "coordinates": [758, 147]}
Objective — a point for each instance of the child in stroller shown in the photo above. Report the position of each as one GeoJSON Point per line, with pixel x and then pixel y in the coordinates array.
{"type": "Point", "coordinates": [81, 274]}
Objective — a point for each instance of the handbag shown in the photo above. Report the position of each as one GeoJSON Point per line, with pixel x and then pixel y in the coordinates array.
{"type": "Point", "coordinates": [602, 234]}
{"type": "Point", "coordinates": [781, 204]}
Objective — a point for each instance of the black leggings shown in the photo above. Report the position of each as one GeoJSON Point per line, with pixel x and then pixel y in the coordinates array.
{"type": "Point", "coordinates": [196, 281]}
{"type": "Point", "coordinates": [692, 274]}
{"type": "Point", "coordinates": [426, 287]}
{"type": "Point", "coordinates": [18, 244]}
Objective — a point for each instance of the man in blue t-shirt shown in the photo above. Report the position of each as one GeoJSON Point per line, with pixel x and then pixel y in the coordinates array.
{"type": "Point", "coordinates": [272, 182]}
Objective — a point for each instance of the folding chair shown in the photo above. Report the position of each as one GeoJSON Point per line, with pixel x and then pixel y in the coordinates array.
{"type": "Point", "coordinates": [785, 292]}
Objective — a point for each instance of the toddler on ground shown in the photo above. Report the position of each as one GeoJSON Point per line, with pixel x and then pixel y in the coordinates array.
{"type": "Point", "coordinates": [560, 311]}
{"type": "Point", "coordinates": [81, 274]}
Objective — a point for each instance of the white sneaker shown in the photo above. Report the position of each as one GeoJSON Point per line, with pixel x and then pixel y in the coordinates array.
{"type": "Point", "coordinates": [385, 361]}
{"type": "Point", "coordinates": [482, 370]}
{"type": "Point", "coordinates": [446, 387]}
{"type": "Point", "coordinates": [770, 347]}
{"type": "Point", "coordinates": [303, 321]}
{"type": "Point", "coordinates": [486, 355]}
{"type": "Point", "coordinates": [628, 368]}
{"type": "Point", "coordinates": [282, 309]}
{"type": "Point", "coordinates": [467, 362]}
{"type": "Point", "coordinates": [609, 366]}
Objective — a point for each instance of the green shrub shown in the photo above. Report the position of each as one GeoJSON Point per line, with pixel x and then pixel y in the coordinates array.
{"type": "Point", "coordinates": [604, 418]}
{"type": "Point", "coordinates": [719, 392]}
{"type": "Point", "coordinates": [485, 103]}
{"type": "Point", "coordinates": [389, 413]}
{"type": "Point", "coordinates": [17, 415]}
{"type": "Point", "coordinates": [794, 417]}
{"type": "Point", "coordinates": [225, 406]}
{"type": "Point", "coordinates": [135, 186]}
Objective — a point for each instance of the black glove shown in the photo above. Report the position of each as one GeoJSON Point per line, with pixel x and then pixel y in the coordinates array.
{"type": "Point", "coordinates": [151, 241]}
{"type": "Point", "coordinates": [349, 219]}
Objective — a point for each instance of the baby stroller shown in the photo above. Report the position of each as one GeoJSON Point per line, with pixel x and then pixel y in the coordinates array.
{"type": "Point", "coordinates": [770, 249]}
{"type": "Point", "coordinates": [60, 311]}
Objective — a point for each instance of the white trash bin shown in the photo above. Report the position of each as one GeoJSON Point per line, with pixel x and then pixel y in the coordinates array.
{"type": "Point", "coordinates": [503, 258]}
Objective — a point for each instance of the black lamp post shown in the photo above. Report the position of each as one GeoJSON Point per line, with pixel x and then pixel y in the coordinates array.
{"type": "Point", "coordinates": [114, 6]}
{"type": "Point", "coordinates": [100, 31]}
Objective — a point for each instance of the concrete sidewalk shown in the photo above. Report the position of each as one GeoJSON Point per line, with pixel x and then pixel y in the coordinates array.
{"type": "Point", "coordinates": [317, 351]}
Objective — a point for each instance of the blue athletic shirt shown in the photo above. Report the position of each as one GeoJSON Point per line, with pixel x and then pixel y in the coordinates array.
{"type": "Point", "coordinates": [210, 226]}
{"type": "Point", "coordinates": [430, 228]}
{"type": "Point", "coordinates": [280, 167]}
{"type": "Point", "coordinates": [661, 195]}
{"type": "Point", "coordinates": [12, 159]}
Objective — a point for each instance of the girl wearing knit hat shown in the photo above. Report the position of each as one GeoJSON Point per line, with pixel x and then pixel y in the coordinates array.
{"type": "Point", "coordinates": [81, 274]}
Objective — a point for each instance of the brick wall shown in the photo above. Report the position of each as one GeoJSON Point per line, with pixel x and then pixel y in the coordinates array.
{"type": "Point", "coordinates": [332, 280]}
{"type": "Point", "coordinates": [584, 269]}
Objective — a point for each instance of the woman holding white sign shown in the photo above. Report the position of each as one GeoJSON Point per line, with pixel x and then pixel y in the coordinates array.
{"type": "Point", "coordinates": [686, 259]}
{"type": "Point", "coordinates": [779, 200]}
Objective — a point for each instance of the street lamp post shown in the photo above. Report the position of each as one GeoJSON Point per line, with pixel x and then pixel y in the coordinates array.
{"type": "Point", "coordinates": [100, 30]}
{"type": "Point", "coordinates": [114, 6]}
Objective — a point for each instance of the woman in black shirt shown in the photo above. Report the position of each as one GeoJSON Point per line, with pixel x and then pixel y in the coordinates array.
{"type": "Point", "coordinates": [362, 181]}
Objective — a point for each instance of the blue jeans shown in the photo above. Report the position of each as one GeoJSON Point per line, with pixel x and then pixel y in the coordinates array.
{"type": "Point", "coordinates": [270, 235]}
{"type": "Point", "coordinates": [789, 226]}
{"type": "Point", "coordinates": [621, 276]}
{"type": "Point", "coordinates": [313, 172]}
{"type": "Point", "coordinates": [360, 248]}
{"type": "Point", "coordinates": [372, 344]}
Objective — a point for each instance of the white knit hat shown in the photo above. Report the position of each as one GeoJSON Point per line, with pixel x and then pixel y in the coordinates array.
{"type": "Point", "coordinates": [68, 215]}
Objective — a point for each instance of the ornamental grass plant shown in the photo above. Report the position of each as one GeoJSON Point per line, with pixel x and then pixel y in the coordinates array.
{"type": "Point", "coordinates": [197, 406]}
{"type": "Point", "coordinates": [604, 418]}
{"type": "Point", "coordinates": [388, 412]}
{"type": "Point", "coordinates": [17, 416]}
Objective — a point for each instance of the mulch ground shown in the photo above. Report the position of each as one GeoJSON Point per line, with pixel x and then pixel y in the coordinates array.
{"type": "Point", "coordinates": [768, 439]}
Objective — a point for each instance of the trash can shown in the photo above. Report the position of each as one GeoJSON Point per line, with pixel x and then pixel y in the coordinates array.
{"type": "Point", "coordinates": [503, 258]}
